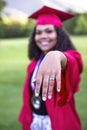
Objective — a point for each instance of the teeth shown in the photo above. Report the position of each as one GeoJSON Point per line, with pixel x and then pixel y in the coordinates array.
{"type": "Point", "coordinates": [44, 43]}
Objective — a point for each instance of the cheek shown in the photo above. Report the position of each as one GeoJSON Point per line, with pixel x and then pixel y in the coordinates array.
{"type": "Point", "coordinates": [54, 37]}
{"type": "Point", "coordinates": [36, 38]}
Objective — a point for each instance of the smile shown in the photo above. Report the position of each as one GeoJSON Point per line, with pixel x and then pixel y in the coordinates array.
{"type": "Point", "coordinates": [45, 43]}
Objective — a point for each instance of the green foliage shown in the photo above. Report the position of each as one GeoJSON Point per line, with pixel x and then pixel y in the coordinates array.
{"type": "Point", "coordinates": [69, 25]}
{"type": "Point", "coordinates": [2, 5]}
{"type": "Point", "coordinates": [1, 29]}
{"type": "Point", "coordinates": [15, 30]}
{"type": "Point", "coordinates": [81, 24]}
{"type": "Point", "coordinates": [77, 25]}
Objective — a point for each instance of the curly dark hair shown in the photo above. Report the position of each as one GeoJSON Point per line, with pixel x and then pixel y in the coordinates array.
{"type": "Point", "coordinates": [63, 43]}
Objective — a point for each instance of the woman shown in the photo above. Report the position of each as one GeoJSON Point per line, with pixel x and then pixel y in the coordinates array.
{"type": "Point", "coordinates": [53, 76]}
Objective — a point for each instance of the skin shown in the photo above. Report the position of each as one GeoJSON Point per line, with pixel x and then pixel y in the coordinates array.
{"type": "Point", "coordinates": [53, 62]}
{"type": "Point", "coordinates": [45, 37]}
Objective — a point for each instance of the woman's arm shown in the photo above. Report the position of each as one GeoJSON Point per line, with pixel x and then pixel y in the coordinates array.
{"type": "Point", "coordinates": [49, 71]}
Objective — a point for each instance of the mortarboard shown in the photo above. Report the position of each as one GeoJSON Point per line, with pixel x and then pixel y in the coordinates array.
{"type": "Point", "coordinates": [49, 15]}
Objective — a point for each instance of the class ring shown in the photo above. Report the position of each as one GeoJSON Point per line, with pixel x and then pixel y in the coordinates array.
{"type": "Point", "coordinates": [52, 78]}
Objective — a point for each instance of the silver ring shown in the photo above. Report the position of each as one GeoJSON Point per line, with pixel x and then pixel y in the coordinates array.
{"type": "Point", "coordinates": [52, 78]}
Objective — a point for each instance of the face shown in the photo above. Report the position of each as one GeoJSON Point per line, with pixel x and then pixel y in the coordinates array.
{"type": "Point", "coordinates": [45, 37]}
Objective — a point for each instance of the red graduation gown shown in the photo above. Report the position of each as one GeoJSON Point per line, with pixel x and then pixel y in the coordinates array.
{"type": "Point", "coordinates": [61, 108]}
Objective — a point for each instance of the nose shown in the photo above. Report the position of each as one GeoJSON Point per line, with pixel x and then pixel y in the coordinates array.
{"type": "Point", "coordinates": [43, 35]}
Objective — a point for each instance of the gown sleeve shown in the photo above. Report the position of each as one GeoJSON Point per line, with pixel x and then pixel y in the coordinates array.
{"type": "Point", "coordinates": [70, 77]}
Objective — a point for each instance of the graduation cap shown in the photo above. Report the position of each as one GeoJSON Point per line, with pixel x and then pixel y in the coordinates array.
{"type": "Point", "coordinates": [49, 15]}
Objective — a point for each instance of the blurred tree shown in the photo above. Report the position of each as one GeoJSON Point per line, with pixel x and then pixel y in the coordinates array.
{"type": "Point", "coordinates": [81, 24]}
{"type": "Point", "coordinates": [69, 25]}
{"type": "Point", "coordinates": [2, 5]}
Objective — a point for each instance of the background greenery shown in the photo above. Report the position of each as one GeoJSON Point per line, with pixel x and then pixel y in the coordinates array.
{"type": "Point", "coordinates": [13, 63]}
{"type": "Point", "coordinates": [11, 29]}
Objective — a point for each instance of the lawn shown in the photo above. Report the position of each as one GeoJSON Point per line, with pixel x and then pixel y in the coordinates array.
{"type": "Point", "coordinates": [13, 63]}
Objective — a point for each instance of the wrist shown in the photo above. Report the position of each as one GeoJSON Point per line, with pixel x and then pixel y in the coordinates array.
{"type": "Point", "coordinates": [60, 57]}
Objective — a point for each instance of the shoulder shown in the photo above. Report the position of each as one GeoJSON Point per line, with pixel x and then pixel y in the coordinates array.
{"type": "Point", "coordinates": [73, 56]}
{"type": "Point", "coordinates": [72, 52]}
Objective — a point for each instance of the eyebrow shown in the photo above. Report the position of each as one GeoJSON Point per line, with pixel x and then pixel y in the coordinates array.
{"type": "Point", "coordinates": [44, 29]}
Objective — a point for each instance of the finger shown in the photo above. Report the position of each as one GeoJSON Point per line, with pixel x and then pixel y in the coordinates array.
{"type": "Point", "coordinates": [51, 85]}
{"type": "Point", "coordinates": [38, 84]}
{"type": "Point", "coordinates": [45, 87]}
{"type": "Point", "coordinates": [58, 80]}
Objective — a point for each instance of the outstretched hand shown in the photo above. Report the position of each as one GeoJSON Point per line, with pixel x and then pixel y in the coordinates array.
{"type": "Point", "coordinates": [49, 71]}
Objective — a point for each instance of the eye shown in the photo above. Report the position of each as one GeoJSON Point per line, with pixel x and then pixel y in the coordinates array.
{"type": "Point", "coordinates": [49, 31]}
{"type": "Point", "coordinates": [38, 32]}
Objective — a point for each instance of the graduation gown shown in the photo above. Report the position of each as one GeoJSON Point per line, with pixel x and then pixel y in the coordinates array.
{"type": "Point", "coordinates": [61, 108]}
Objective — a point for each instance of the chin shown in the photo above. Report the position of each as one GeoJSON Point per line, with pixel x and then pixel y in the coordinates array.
{"type": "Point", "coordinates": [45, 51]}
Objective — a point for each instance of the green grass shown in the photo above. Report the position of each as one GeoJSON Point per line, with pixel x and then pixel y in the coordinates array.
{"type": "Point", "coordinates": [81, 98]}
{"type": "Point", "coordinates": [13, 63]}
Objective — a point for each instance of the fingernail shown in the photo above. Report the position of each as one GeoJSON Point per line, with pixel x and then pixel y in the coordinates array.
{"type": "Point", "coordinates": [49, 97]}
{"type": "Point", "coordinates": [44, 98]}
{"type": "Point", "coordinates": [58, 89]}
{"type": "Point", "coordinates": [36, 94]}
